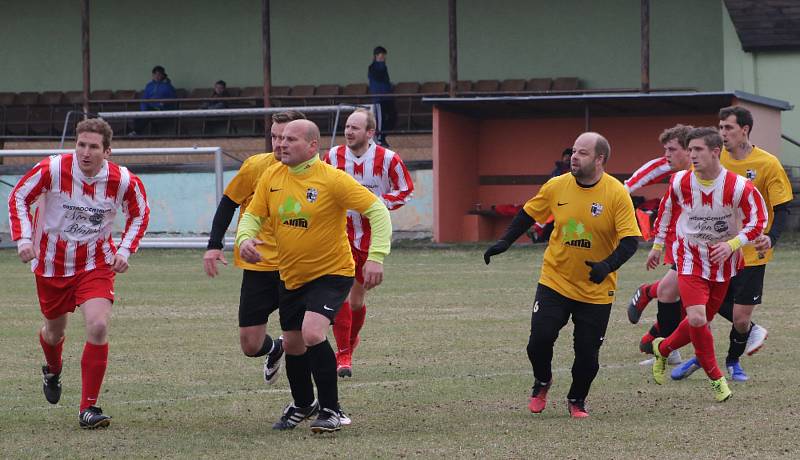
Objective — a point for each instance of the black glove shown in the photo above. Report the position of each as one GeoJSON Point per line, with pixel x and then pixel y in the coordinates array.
{"type": "Point", "coordinates": [498, 248]}
{"type": "Point", "coordinates": [599, 271]}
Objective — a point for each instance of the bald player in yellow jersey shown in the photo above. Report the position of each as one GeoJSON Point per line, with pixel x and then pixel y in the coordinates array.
{"type": "Point", "coordinates": [595, 233]}
{"type": "Point", "coordinates": [304, 202]}
{"type": "Point", "coordinates": [745, 292]}
{"type": "Point", "coordinates": [258, 296]}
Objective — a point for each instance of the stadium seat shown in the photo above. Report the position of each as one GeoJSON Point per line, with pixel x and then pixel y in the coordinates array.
{"type": "Point", "coordinates": [566, 84]}
{"type": "Point", "coordinates": [355, 93]}
{"type": "Point", "coordinates": [278, 96]}
{"type": "Point", "coordinates": [253, 124]}
{"type": "Point", "coordinates": [18, 114]}
{"type": "Point", "coordinates": [422, 114]}
{"type": "Point", "coordinates": [463, 86]}
{"type": "Point", "coordinates": [486, 86]}
{"type": "Point", "coordinates": [539, 84]}
{"type": "Point", "coordinates": [433, 88]}
{"type": "Point", "coordinates": [325, 120]}
{"type": "Point", "coordinates": [40, 119]}
{"type": "Point", "coordinates": [403, 103]}
{"type": "Point", "coordinates": [512, 86]}
{"type": "Point", "coordinates": [6, 100]}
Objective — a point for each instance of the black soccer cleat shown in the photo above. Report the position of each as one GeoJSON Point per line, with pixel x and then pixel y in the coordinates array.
{"type": "Point", "coordinates": [92, 417]}
{"type": "Point", "coordinates": [51, 385]}
{"type": "Point", "coordinates": [272, 364]}
{"type": "Point", "coordinates": [293, 415]}
{"type": "Point", "coordinates": [327, 422]}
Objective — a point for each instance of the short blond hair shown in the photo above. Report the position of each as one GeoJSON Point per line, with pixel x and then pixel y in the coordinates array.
{"type": "Point", "coordinates": [371, 121]}
{"type": "Point", "coordinates": [99, 126]}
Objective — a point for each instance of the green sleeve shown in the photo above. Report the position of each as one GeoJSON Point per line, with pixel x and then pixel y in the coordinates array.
{"type": "Point", "coordinates": [249, 227]}
{"type": "Point", "coordinates": [381, 225]}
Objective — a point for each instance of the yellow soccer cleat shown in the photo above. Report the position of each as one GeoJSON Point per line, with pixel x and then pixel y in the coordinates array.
{"type": "Point", "coordinates": [721, 391]}
{"type": "Point", "coordinates": [659, 363]}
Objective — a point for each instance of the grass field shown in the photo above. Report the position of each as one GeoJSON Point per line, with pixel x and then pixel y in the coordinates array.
{"type": "Point", "coordinates": [441, 372]}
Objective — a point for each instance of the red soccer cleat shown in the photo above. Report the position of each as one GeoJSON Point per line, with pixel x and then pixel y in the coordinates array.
{"type": "Point", "coordinates": [344, 364]}
{"type": "Point", "coordinates": [577, 408]}
{"type": "Point", "coordinates": [638, 303]}
{"type": "Point", "coordinates": [538, 399]}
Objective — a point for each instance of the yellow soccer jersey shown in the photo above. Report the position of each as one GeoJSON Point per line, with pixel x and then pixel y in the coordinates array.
{"type": "Point", "coordinates": [307, 213]}
{"type": "Point", "coordinates": [241, 190]}
{"type": "Point", "coordinates": [589, 222]}
{"type": "Point", "coordinates": [769, 177]}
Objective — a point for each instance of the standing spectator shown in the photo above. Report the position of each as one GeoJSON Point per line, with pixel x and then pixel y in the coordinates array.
{"type": "Point", "coordinates": [597, 232]}
{"type": "Point", "coordinates": [160, 87]}
{"type": "Point", "coordinates": [72, 253]}
{"type": "Point", "coordinates": [379, 83]}
{"type": "Point", "coordinates": [562, 166]}
{"type": "Point", "coordinates": [220, 91]}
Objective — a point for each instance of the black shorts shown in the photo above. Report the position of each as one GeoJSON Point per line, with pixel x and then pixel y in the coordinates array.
{"type": "Point", "coordinates": [258, 298]}
{"type": "Point", "coordinates": [323, 295]}
{"type": "Point", "coordinates": [551, 311]}
{"type": "Point", "coordinates": [747, 286]}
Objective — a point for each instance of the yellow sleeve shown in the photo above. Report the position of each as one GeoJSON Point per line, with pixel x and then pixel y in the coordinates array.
{"type": "Point", "coordinates": [538, 207]}
{"type": "Point", "coordinates": [249, 226]}
{"type": "Point", "coordinates": [779, 189]}
{"type": "Point", "coordinates": [241, 186]}
{"type": "Point", "coordinates": [624, 215]}
{"type": "Point", "coordinates": [381, 225]}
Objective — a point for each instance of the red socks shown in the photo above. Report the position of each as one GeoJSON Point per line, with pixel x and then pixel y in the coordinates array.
{"type": "Point", "coordinates": [93, 369]}
{"type": "Point", "coordinates": [703, 343]}
{"type": "Point", "coordinates": [52, 354]}
{"type": "Point", "coordinates": [342, 326]}
{"type": "Point", "coordinates": [652, 289]}
{"type": "Point", "coordinates": [677, 339]}
{"type": "Point", "coordinates": [358, 322]}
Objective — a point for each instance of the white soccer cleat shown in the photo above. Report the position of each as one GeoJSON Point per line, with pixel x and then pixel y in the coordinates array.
{"type": "Point", "coordinates": [758, 335]}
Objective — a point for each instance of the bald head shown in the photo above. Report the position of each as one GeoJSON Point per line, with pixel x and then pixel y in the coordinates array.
{"type": "Point", "coordinates": [597, 143]}
{"type": "Point", "coordinates": [299, 142]}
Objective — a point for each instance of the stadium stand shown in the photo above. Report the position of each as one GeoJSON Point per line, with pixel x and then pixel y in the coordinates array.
{"type": "Point", "coordinates": [30, 114]}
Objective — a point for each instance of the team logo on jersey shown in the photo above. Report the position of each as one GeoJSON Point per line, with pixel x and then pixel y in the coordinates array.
{"type": "Point", "coordinates": [750, 174]}
{"type": "Point", "coordinates": [311, 195]}
{"type": "Point", "coordinates": [291, 213]}
{"type": "Point", "coordinates": [96, 218]}
{"type": "Point", "coordinates": [597, 209]}
{"type": "Point", "coordinates": [574, 234]}
{"type": "Point", "coordinates": [720, 226]}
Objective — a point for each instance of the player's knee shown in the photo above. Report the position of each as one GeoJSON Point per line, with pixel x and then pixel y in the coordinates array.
{"type": "Point", "coordinates": [541, 339]}
{"type": "Point", "coordinates": [313, 337]}
{"type": "Point", "coordinates": [742, 325]}
{"type": "Point", "coordinates": [97, 330]}
{"type": "Point", "coordinates": [696, 320]}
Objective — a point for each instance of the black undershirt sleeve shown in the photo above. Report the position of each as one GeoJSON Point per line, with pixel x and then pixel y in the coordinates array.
{"type": "Point", "coordinates": [780, 215]}
{"type": "Point", "coordinates": [521, 223]}
{"type": "Point", "coordinates": [624, 251]}
{"type": "Point", "coordinates": [222, 220]}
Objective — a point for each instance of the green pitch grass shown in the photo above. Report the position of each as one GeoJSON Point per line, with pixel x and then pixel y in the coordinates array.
{"type": "Point", "coordinates": [441, 372]}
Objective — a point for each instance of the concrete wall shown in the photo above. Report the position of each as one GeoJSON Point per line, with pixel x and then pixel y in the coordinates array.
{"type": "Point", "coordinates": [331, 42]}
{"type": "Point", "coordinates": [185, 204]}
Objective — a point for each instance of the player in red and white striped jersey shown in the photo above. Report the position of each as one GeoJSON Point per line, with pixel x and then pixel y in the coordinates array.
{"type": "Point", "coordinates": [73, 256]}
{"type": "Point", "coordinates": [714, 213]}
{"type": "Point", "coordinates": [676, 158]}
{"type": "Point", "coordinates": [655, 171]}
{"type": "Point", "coordinates": [384, 174]}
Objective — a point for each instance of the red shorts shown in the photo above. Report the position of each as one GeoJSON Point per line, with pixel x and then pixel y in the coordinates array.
{"type": "Point", "coordinates": [61, 295]}
{"type": "Point", "coordinates": [700, 291]}
{"type": "Point", "coordinates": [359, 257]}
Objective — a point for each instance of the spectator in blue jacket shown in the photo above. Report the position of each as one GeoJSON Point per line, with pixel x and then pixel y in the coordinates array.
{"type": "Point", "coordinates": [379, 83]}
{"type": "Point", "coordinates": [160, 87]}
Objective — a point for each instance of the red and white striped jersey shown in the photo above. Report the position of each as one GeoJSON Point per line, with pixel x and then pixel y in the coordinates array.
{"type": "Point", "coordinates": [653, 172]}
{"type": "Point", "coordinates": [703, 215]}
{"type": "Point", "coordinates": [383, 173]}
{"type": "Point", "coordinates": [71, 231]}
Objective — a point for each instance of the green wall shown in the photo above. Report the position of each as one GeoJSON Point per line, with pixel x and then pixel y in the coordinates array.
{"type": "Point", "coordinates": [767, 73]}
{"type": "Point", "coordinates": [319, 41]}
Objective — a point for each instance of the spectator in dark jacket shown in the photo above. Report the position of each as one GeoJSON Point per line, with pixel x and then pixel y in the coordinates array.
{"type": "Point", "coordinates": [160, 87]}
{"type": "Point", "coordinates": [562, 166]}
{"type": "Point", "coordinates": [379, 83]}
{"type": "Point", "coordinates": [220, 90]}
